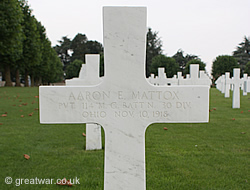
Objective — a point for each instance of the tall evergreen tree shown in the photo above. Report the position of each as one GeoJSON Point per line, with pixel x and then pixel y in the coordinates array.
{"type": "Point", "coordinates": [31, 56]}
{"type": "Point", "coordinates": [62, 51]}
{"type": "Point", "coordinates": [11, 36]}
{"type": "Point", "coordinates": [153, 48]}
{"type": "Point", "coordinates": [183, 60]}
{"type": "Point", "coordinates": [242, 53]}
{"type": "Point", "coordinates": [79, 47]}
{"type": "Point", "coordinates": [247, 70]}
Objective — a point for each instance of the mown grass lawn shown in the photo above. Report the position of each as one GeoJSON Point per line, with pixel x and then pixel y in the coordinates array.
{"type": "Point", "coordinates": [214, 155]}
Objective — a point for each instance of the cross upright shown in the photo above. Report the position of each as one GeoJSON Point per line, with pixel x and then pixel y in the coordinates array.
{"type": "Point", "coordinates": [180, 78]}
{"type": "Point", "coordinates": [124, 103]}
{"type": "Point", "coordinates": [222, 84]}
{"type": "Point", "coordinates": [227, 84]}
{"type": "Point", "coordinates": [236, 82]}
{"type": "Point", "coordinates": [194, 71]}
{"type": "Point", "coordinates": [218, 83]}
{"type": "Point", "coordinates": [162, 79]}
{"type": "Point", "coordinates": [244, 83]}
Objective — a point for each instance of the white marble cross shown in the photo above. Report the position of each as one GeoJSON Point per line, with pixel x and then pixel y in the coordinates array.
{"type": "Point", "coordinates": [194, 71]}
{"type": "Point", "coordinates": [227, 85]}
{"type": "Point", "coordinates": [195, 79]}
{"type": "Point", "coordinates": [124, 104]}
{"type": "Point", "coordinates": [236, 82]}
{"type": "Point", "coordinates": [218, 83]}
{"type": "Point", "coordinates": [161, 80]}
{"type": "Point", "coordinates": [89, 75]}
{"type": "Point", "coordinates": [180, 78]}
{"type": "Point", "coordinates": [244, 83]}
{"type": "Point", "coordinates": [222, 84]}
{"type": "Point", "coordinates": [248, 84]}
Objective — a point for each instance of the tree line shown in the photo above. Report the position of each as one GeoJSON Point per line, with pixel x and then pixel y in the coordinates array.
{"type": "Point", "coordinates": [25, 50]}
{"type": "Point", "coordinates": [72, 54]}
{"type": "Point", "coordinates": [240, 58]}
{"type": "Point", "coordinates": [24, 47]}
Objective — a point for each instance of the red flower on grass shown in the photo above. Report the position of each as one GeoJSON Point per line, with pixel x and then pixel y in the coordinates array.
{"type": "Point", "coordinates": [26, 156]}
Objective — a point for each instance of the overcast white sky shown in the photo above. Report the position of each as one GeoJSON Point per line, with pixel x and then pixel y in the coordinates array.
{"type": "Point", "coordinates": [206, 28]}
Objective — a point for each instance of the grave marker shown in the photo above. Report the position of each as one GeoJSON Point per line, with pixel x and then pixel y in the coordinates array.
{"type": "Point", "coordinates": [161, 76]}
{"type": "Point", "coordinates": [89, 75]}
{"type": "Point", "coordinates": [194, 71]}
{"type": "Point", "coordinates": [180, 78]}
{"type": "Point", "coordinates": [222, 84]}
{"type": "Point", "coordinates": [227, 84]}
{"type": "Point", "coordinates": [244, 84]}
{"type": "Point", "coordinates": [236, 82]}
{"type": "Point", "coordinates": [248, 84]}
{"type": "Point", "coordinates": [218, 83]}
{"type": "Point", "coordinates": [124, 103]}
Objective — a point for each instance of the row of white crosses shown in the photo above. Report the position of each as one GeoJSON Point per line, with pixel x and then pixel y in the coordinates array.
{"type": "Point", "coordinates": [124, 103]}
{"type": "Point", "coordinates": [224, 83]}
{"type": "Point", "coordinates": [195, 77]}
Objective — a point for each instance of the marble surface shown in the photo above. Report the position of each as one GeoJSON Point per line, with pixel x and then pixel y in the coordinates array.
{"type": "Point", "coordinates": [218, 83]}
{"type": "Point", "coordinates": [227, 85]}
{"type": "Point", "coordinates": [248, 84]}
{"type": "Point", "coordinates": [236, 82]}
{"type": "Point", "coordinates": [244, 84]}
{"type": "Point", "coordinates": [93, 136]}
{"type": "Point", "coordinates": [89, 75]}
{"type": "Point", "coordinates": [124, 103]}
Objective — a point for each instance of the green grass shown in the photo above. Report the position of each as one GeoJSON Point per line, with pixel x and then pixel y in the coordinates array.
{"type": "Point", "coordinates": [186, 156]}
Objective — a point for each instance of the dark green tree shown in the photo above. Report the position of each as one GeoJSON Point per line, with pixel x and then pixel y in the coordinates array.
{"type": "Point", "coordinates": [247, 70]}
{"type": "Point", "coordinates": [194, 61]}
{"type": "Point", "coordinates": [222, 64]}
{"type": "Point", "coordinates": [94, 47]}
{"type": "Point", "coordinates": [242, 53]}
{"type": "Point", "coordinates": [63, 50]}
{"type": "Point", "coordinates": [55, 68]}
{"type": "Point", "coordinates": [153, 48]}
{"type": "Point", "coordinates": [182, 60]}
{"type": "Point", "coordinates": [73, 69]}
{"type": "Point", "coordinates": [168, 63]}
{"type": "Point", "coordinates": [50, 69]}
{"type": "Point", "coordinates": [11, 36]}
{"type": "Point", "coordinates": [31, 56]}
{"type": "Point", "coordinates": [79, 47]}
{"type": "Point", "coordinates": [101, 65]}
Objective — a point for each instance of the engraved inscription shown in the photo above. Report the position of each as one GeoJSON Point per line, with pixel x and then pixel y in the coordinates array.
{"type": "Point", "coordinates": [125, 104]}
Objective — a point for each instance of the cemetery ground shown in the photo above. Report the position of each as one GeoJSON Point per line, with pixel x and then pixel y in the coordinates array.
{"type": "Point", "coordinates": [214, 155]}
